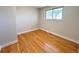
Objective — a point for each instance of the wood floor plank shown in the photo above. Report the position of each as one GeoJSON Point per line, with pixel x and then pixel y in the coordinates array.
{"type": "Point", "coordinates": [39, 41]}
{"type": "Point", "coordinates": [10, 49]}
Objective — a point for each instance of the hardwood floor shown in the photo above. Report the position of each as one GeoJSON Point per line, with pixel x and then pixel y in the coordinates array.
{"type": "Point", "coordinates": [10, 49]}
{"type": "Point", "coordinates": [40, 41]}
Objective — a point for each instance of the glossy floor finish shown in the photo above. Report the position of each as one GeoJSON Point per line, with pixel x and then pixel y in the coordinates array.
{"type": "Point", "coordinates": [10, 49]}
{"type": "Point", "coordinates": [39, 41]}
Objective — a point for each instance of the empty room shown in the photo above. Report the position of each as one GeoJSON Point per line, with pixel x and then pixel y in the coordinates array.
{"type": "Point", "coordinates": [39, 29]}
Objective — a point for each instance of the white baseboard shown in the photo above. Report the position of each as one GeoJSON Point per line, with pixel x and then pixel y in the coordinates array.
{"type": "Point", "coordinates": [15, 41]}
{"type": "Point", "coordinates": [60, 36]}
{"type": "Point", "coordinates": [10, 43]}
{"type": "Point", "coordinates": [27, 31]}
{"type": "Point", "coordinates": [51, 33]}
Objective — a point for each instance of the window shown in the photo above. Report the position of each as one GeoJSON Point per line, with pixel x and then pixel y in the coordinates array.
{"type": "Point", "coordinates": [49, 14]}
{"type": "Point", "coordinates": [54, 14]}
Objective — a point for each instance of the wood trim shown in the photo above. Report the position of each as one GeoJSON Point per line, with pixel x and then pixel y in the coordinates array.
{"type": "Point", "coordinates": [8, 44]}
{"type": "Point", "coordinates": [15, 41]}
{"type": "Point", "coordinates": [51, 33]}
{"type": "Point", "coordinates": [27, 31]}
{"type": "Point", "coordinates": [60, 35]}
{"type": "Point", "coordinates": [13, 48]}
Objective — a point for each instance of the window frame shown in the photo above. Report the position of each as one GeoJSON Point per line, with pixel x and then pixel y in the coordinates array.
{"type": "Point", "coordinates": [52, 13]}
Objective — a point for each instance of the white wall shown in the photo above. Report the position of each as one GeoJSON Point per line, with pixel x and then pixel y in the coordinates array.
{"type": "Point", "coordinates": [26, 18]}
{"type": "Point", "coordinates": [7, 25]}
{"type": "Point", "coordinates": [68, 26]}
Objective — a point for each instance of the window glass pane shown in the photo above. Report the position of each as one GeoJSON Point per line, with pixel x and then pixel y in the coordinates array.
{"type": "Point", "coordinates": [49, 14]}
{"type": "Point", "coordinates": [57, 13]}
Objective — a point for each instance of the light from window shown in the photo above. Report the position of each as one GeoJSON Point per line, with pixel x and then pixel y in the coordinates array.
{"type": "Point", "coordinates": [54, 14]}
{"type": "Point", "coordinates": [57, 13]}
{"type": "Point", "coordinates": [49, 14]}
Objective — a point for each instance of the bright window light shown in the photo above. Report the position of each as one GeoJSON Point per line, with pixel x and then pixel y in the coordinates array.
{"type": "Point", "coordinates": [54, 14]}
{"type": "Point", "coordinates": [49, 14]}
{"type": "Point", "coordinates": [57, 13]}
